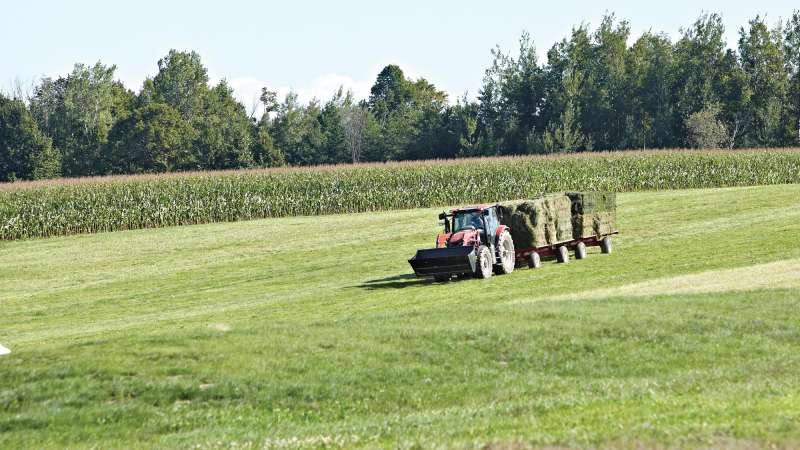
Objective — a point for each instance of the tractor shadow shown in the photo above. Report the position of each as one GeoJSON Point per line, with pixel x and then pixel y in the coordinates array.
{"type": "Point", "coordinates": [395, 282]}
{"type": "Point", "coordinates": [400, 281]}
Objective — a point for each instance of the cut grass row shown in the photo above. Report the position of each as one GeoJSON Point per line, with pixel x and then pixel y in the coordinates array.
{"type": "Point", "coordinates": [110, 204]}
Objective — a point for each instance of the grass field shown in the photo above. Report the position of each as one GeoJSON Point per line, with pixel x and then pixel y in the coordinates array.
{"type": "Point", "coordinates": [309, 332]}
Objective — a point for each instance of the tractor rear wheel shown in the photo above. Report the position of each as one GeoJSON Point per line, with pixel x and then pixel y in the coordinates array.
{"type": "Point", "coordinates": [580, 250]}
{"type": "Point", "coordinates": [483, 263]}
{"type": "Point", "coordinates": [505, 250]}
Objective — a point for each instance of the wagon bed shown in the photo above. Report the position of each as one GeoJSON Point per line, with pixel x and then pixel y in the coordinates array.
{"type": "Point", "coordinates": [527, 255]}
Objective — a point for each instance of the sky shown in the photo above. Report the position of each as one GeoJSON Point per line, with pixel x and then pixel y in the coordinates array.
{"type": "Point", "coordinates": [315, 47]}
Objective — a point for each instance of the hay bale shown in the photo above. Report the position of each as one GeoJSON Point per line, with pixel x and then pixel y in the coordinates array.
{"type": "Point", "coordinates": [590, 202]}
{"type": "Point", "coordinates": [582, 226]}
{"type": "Point", "coordinates": [506, 209]}
{"type": "Point", "coordinates": [538, 222]}
{"type": "Point", "coordinates": [524, 218]}
{"type": "Point", "coordinates": [604, 223]}
{"type": "Point", "coordinates": [521, 216]}
{"type": "Point", "coordinates": [559, 209]}
{"type": "Point", "coordinates": [593, 213]}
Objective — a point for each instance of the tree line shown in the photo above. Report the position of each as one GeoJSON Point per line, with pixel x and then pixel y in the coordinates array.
{"type": "Point", "coordinates": [593, 92]}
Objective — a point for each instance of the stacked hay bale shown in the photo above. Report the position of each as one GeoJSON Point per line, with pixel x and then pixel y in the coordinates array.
{"type": "Point", "coordinates": [593, 213]}
{"type": "Point", "coordinates": [559, 217]}
{"type": "Point", "coordinates": [538, 222]}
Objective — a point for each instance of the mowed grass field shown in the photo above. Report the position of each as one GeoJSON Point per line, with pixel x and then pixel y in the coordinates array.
{"type": "Point", "coordinates": [311, 332]}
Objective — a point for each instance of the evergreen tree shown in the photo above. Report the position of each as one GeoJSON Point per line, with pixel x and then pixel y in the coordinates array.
{"type": "Point", "coordinates": [764, 66]}
{"type": "Point", "coordinates": [154, 138]}
{"type": "Point", "coordinates": [224, 134]}
{"type": "Point", "coordinates": [25, 153]}
{"type": "Point", "coordinates": [791, 48]}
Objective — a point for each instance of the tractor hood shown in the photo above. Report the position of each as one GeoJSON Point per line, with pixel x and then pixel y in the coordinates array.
{"type": "Point", "coordinates": [464, 238]}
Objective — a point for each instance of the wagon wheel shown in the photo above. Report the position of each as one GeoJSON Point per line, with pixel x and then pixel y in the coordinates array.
{"type": "Point", "coordinates": [534, 260]}
{"type": "Point", "coordinates": [580, 250]}
{"type": "Point", "coordinates": [605, 245]}
{"type": "Point", "coordinates": [562, 254]}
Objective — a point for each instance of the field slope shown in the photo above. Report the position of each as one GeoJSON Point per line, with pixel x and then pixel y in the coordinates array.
{"type": "Point", "coordinates": [309, 331]}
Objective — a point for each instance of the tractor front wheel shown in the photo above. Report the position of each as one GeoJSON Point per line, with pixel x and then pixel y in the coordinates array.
{"type": "Point", "coordinates": [483, 263]}
{"type": "Point", "coordinates": [505, 250]}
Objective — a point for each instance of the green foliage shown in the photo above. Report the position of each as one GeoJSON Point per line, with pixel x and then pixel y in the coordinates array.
{"type": "Point", "coordinates": [705, 129]}
{"type": "Point", "coordinates": [223, 131]}
{"type": "Point", "coordinates": [564, 135]}
{"type": "Point", "coordinates": [791, 47]}
{"type": "Point", "coordinates": [699, 60]}
{"type": "Point", "coordinates": [297, 131]}
{"type": "Point", "coordinates": [650, 67]}
{"type": "Point", "coordinates": [25, 153]}
{"type": "Point", "coordinates": [513, 93]}
{"type": "Point", "coordinates": [265, 153]}
{"type": "Point", "coordinates": [390, 92]}
{"type": "Point", "coordinates": [410, 116]}
{"type": "Point", "coordinates": [181, 82]}
{"type": "Point", "coordinates": [78, 112]}
{"type": "Point", "coordinates": [108, 205]}
{"type": "Point", "coordinates": [763, 63]}
{"type": "Point", "coordinates": [155, 138]}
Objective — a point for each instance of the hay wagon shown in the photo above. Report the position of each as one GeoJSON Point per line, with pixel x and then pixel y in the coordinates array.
{"type": "Point", "coordinates": [532, 256]}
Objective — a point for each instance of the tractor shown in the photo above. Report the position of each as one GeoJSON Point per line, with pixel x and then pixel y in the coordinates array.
{"type": "Point", "coordinates": [473, 243]}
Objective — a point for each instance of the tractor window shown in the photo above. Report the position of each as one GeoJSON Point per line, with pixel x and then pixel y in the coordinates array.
{"type": "Point", "coordinates": [491, 221]}
{"type": "Point", "coordinates": [466, 220]}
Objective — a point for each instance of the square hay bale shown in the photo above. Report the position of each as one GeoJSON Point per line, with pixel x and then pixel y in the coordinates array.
{"type": "Point", "coordinates": [538, 222]}
{"type": "Point", "coordinates": [582, 226]}
{"type": "Point", "coordinates": [604, 223]}
{"type": "Point", "coordinates": [559, 215]}
{"type": "Point", "coordinates": [593, 213]}
{"type": "Point", "coordinates": [590, 202]}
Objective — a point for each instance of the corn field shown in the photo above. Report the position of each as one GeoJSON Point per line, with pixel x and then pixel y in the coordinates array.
{"type": "Point", "coordinates": [64, 207]}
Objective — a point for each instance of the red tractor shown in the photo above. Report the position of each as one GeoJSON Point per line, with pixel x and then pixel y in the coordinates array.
{"type": "Point", "coordinates": [473, 243]}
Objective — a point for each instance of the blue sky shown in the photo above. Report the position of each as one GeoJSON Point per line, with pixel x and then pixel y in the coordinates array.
{"type": "Point", "coordinates": [312, 47]}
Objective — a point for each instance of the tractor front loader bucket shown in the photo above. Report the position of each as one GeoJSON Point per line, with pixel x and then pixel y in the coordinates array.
{"type": "Point", "coordinates": [444, 261]}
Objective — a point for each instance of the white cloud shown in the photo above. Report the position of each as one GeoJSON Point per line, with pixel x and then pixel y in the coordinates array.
{"type": "Point", "coordinates": [248, 89]}
{"type": "Point", "coordinates": [325, 86]}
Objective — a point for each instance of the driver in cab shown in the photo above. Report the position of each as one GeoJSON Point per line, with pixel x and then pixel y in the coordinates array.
{"type": "Point", "coordinates": [477, 221]}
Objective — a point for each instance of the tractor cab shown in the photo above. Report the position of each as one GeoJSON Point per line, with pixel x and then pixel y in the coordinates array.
{"type": "Point", "coordinates": [480, 221]}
